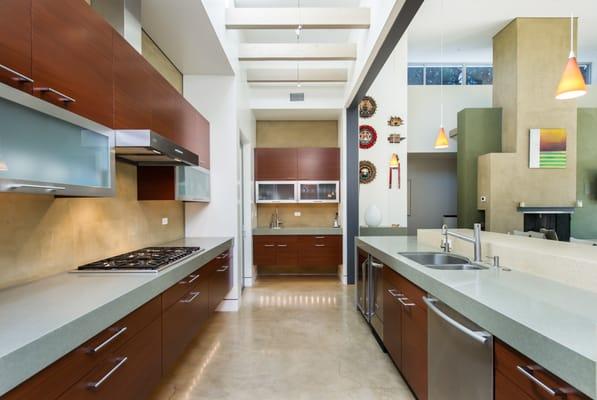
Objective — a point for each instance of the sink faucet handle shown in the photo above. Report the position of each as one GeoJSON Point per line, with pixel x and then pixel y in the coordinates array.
{"type": "Point", "coordinates": [495, 261]}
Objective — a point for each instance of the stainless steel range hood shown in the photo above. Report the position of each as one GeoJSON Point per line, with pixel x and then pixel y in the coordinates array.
{"type": "Point", "coordinates": [145, 147]}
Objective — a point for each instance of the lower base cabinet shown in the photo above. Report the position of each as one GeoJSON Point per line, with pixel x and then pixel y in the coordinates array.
{"type": "Point", "coordinates": [297, 250]}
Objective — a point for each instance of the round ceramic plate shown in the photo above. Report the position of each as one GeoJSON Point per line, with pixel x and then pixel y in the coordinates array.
{"type": "Point", "coordinates": [367, 107]}
{"type": "Point", "coordinates": [367, 171]}
{"type": "Point", "coordinates": [367, 136]}
{"type": "Point", "coordinates": [395, 121]}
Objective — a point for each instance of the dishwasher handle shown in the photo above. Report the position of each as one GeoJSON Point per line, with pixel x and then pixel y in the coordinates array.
{"type": "Point", "coordinates": [479, 336]}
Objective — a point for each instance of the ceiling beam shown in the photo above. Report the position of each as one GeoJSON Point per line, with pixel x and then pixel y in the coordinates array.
{"type": "Point", "coordinates": [296, 51]}
{"type": "Point", "coordinates": [290, 75]}
{"type": "Point", "coordinates": [290, 18]}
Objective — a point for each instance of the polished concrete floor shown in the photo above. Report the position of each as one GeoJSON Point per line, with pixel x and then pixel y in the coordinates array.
{"type": "Point", "coordinates": [294, 338]}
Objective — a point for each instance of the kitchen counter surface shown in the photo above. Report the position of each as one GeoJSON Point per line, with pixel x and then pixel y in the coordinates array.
{"type": "Point", "coordinates": [44, 320]}
{"type": "Point", "coordinates": [297, 231]}
{"type": "Point", "coordinates": [551, 323]}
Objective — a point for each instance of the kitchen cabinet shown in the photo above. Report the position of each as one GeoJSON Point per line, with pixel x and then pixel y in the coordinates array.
{"type": "Point", "coordinates": [72, 58]}
{"type": "Point", "coordinates": [320, 250]}
{"type": "Point", "coordinates": [518, 377]}
{"type": "Point", "coordinates": [195, 130]}
{"type": "Point", "coordinates": [276, 192]}
{"type": "Point", "coordinates": [300, 250]}
{"type": "Point", "coordinates": [165, 102]}
{"type": "Point", "coordinates": [15, 43]}
{"type": "Point", "coordinates": [166, 182]}
{"type": "Point", "coordinates": [318, 164]}
{"type": "Point", "coordinates": [220, 281]}
{"type": "Point", "coordinates": [405, 329]}
{"type": "Point", "coordinates": [318, 192]}
{"type": "Point", "coordinates": [276, 164]}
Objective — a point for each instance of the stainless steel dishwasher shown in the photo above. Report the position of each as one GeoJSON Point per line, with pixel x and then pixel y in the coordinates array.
{"type": "Point", "coordinates": [460, 356]}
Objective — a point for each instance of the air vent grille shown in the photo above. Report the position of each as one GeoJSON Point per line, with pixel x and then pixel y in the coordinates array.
{"type": "Point", "coordinates": [297, 96]}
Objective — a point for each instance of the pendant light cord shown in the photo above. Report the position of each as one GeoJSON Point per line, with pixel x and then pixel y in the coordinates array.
{"type": "Point", "coordinates": [441, 68]}
{"type": "Point", "coordinates": [572, 35]}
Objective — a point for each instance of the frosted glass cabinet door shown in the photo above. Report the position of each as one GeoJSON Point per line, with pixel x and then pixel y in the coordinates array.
{"type": "Point", "coordinates": [40, 153]}
{"type": "Point", "coordinates": [193, 184]}
{"type": "Point", "coordinates": [276, 192]}
{"type": "Point", "coordinates": [318, 192]}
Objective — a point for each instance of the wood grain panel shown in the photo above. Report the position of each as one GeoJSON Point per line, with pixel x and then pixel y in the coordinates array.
{"type": "Point", "coordinates": [264, 250]}
{"type": "Point", "coordinates": [287, 250]}
{"type": "Point", "coordinates": [392, 327]}
{"type": "Point", "coordinates": [319, 163]}
{"type": "Point", "coordinates": [505, 389]}
{"type": "Point", "coordinates": [156, 183]}
{"type": "Point", "coordinates": [414, 342]}
{"type": "Point", "coordinates": [15, 41]}
{"type": "Point", "coordinates": [275, 164]}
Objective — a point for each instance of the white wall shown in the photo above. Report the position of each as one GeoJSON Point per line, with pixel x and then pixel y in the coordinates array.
{"type": "Point", "coordinates": [424, 112]}
{"type": "Point", "coordinates": [590, 99]}
{"type": "Point", "coordinates": [269, 97]}
{"type": "Point", "coordinates": [390, 93]}
{"type": "Point", "coordinates": [342, 206]}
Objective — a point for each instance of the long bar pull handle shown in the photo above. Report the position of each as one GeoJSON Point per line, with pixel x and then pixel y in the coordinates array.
{"type": "Point", "coordinates": [395, 293]}
{"type": "Point", "coordinates": [320, 245]}
{"type": "Point", "coordinates": [319, 237]}
{"type": "Point", "coordinates": [377, 265]}
{"type": "Point", "coordinates": [269, 245]}
{"type": "Point", "coordinates": [193, 297]}
{"type": "Point", "coordinates": [404, 300]}
{"type": "Point", "coordinates": [223, 269]}
{"type": "Point", "coordinates": [479, 336]}
{"type": "Point", "coordinates": [43, 187]}
{"type": "Point", "coordinates": [61, 96]}
{"type": "Point", "coordinates": [96, 385]}
{"type": "Point", "coordinates": [193, 278]}
{"type": "Point", "coordinates": [109, 340]}
{"type": "Point", "coordinates": [17, 75]}
{"type": "Point", "coordinates": [527, 372]}
{"type": "Point", "coordinates": [282, 245]}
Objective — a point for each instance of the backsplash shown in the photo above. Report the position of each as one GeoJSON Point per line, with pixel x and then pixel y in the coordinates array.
{"type": "Point", "coordinates": [43, 235]}
{"type": "Point", "coordinates": [312, 215]}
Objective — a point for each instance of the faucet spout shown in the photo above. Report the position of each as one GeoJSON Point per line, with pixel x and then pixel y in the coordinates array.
{"type": "Point", "coordinates": [475, 240]}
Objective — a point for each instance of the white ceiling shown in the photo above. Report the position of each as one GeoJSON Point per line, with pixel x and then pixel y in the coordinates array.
{"type": "Point", "coordinates": [307, 114]}
{"type": "Point", "coordinates": [470, 25]}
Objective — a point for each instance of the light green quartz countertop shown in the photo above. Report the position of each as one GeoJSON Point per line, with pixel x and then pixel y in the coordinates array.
{"type": "Point", "coordinates": [553, 324]}
{"type": "Point", "coordinates": [297, 231]}
{"type": "Point", "coordinates": [43, 320]}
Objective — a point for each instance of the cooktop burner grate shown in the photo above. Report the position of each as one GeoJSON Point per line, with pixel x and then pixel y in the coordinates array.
{"type": "Point", "coordinates": [150, 259]}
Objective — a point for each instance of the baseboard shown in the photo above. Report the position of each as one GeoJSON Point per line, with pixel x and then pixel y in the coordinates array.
{"type": "Point", "coordinates": [232, 305]}
{"type": "Point", "coordinates": [344, 279]}
{"type": "Point", "coordinates": [249, 281]}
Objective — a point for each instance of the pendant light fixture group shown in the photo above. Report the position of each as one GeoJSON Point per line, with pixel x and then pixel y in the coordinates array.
{"type": "Point", "coordinates": [441, 141]}
{"type": "Point", "coordinates": [572, 84]}
{"type": "Point", "coordinates": [299, 30]}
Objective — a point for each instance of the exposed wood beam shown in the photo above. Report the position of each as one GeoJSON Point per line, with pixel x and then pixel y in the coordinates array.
{"type": "Point", "coordinates": [290, 75]}
{"type": "Point", "coordinates": [290, 18]}
{"type": "Point", "coordinates": [296, 51]}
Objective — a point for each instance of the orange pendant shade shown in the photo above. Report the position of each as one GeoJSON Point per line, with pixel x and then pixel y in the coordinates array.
{"type": "Point", "coordinates": [572, 84]}
{"type": "Point", "coordinates": [3, 166]}
{"type": "Point", "coordinates": [441, 141]}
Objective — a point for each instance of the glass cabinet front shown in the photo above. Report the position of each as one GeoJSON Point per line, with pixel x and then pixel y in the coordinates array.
{"type": "Point", "coordinates": [276, 192]}
{"type": "Point", "coordinates": [318, 192]}
{"type": "Point", "coordinates": [193, 184]}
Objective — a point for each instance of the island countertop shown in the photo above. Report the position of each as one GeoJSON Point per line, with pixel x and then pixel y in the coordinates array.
{"type": "Point", "coordinates": [44, 320]}
{"type": "Point", "coordinates": [553, 324]}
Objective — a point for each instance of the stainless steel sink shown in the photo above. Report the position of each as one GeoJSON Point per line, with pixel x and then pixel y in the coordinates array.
{"type": "Point", "coordinates": [443, 261]}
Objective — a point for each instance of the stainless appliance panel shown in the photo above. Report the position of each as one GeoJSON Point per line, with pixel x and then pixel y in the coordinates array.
{"type": "Point", "coordinates": [376, 296]}
{"type": "Point", "coordinates": [363, 285]}
{"type": "Point", "coordinates": [145, 147]}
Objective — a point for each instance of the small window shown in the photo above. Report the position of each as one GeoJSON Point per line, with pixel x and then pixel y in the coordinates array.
{"type": "Point", "coordinates": [416, 75]}
{"type": "Point", "coordinates": [479, 75]}
{"type": "Point", "coordinates": [586, 70]}
{"type": "Point", "coordinates": [450, 75]}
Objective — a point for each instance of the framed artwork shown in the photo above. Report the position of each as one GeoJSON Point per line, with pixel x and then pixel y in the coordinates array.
{"type": "Point", "coordinates": [547, 148]}
{"type": "Point", "coordinates": [367, 136]}
{"type": "Point", "coordinates": [367, 107]}
{"type": "Point", "coordinates": [367, 171]}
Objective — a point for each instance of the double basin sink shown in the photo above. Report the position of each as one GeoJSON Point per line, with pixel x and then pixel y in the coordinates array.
{"type": "Point", "coordinates": [443, 261]}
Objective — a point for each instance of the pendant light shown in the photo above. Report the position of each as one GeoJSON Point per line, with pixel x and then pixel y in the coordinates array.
{"type": "Point", "coordinates": [572, 84]}
{"type": "Point", "coordinates": [298, 32]}
{"type": "Point", "coordinates": [3, 166]}
{"type": "Point", "coordinates": [441, 141]}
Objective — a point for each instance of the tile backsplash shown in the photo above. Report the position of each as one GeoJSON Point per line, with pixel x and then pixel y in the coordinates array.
{"type": "Point", "coordinates": [42, 235]}
{"type": "Point", "coordinates": [312, 215]}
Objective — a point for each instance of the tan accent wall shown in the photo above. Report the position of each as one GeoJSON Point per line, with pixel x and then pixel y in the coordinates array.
{"type": "Point", "coordinates": [156, 57]}
{"type": "Point", "coordinates": [312, 215]}
{"type": "Point", "coordinates": [297, 134]}
{"type": "Point", "coordinates": [529, 55]}
{"type": "Point", "coordinates": [43, 235]}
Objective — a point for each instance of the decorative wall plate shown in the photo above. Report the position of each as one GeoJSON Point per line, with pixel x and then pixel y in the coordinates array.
{"type": "Point", "coordinates": [367, 107]}
{"type": "Point", "coordinates": [367, 136]}
{"type": "Point", "coordinates": [367, 171]}
{"type": "Point", "coordinates": [395, 138]}
{"type": "Point", "coordinates": [395, 121]}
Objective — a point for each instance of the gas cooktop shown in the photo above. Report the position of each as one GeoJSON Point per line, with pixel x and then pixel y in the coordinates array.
{"type": "Point", "coordinates": [149, 259]}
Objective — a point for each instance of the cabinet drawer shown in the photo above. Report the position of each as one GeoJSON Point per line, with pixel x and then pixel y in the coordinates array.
{"type": "Point", "coordinates": [58, 377]}
{"type": "Point", "coordinates": [287, 251]}
{"type": "Point", "coordinates": [130, 372]}
{"type": "Point", "coordinates": [506, 390]}
{"type": "Point", "coordinates": [182, 287]}
{"type": "Point", "coordinates": [318, 240]}
{"type": "Point", "coordinates": [264, 250]}
{"type": "Point", "coordinates": [517, 368]}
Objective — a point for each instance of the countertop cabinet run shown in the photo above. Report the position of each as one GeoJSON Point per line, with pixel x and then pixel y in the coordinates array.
{"type": "Point", "coordinates": [297, 250]}
{"type": "Point", "coordinates": [15, 43]}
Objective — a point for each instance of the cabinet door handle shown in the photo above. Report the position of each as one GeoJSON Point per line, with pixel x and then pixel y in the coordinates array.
{"type": "Point", "coordinates": [377, 265]}
{"type": "Point", "coordinates": [395, 293]}
{"type": "Point", "coordinates": [224, 269]}
{"type": "Point", "coordinates": [96, 385]}
{"type": "Point", "coordinates": [527, 371]}
{"type": "Point", "coordinates": [193, 278]}
{"type": "Point", "coordinates": [480, 336]}
{"type": "Point", "coordinates": [109, 340]}
{"type": "Point", "coordinates": [319, 237]}
{"type": "Point", "coordinates": [282, 245]}
{"type": "Point", "coordinates": [320, 245]}
{"type": "Point", "coordinates": [17, 75]}
{"type": "Point", "coordinates": [193, 297]}
{"type": "Point", "coordinates": [61, 96]}
{"type": "Point", "coordinates": [269, 245]}
{"type": "Point", "coordinates": [42, 187]}
{"type": "Point", "coordinates": [404, 300]}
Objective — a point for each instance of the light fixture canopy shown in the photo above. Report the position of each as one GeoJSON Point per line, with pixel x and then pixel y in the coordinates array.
{"type": "Point", "coordinates": [3, 166]}
{"type": "Point", "coordinates": [441, 141]}
{"type": "Point", "coordinates": [572, 83]}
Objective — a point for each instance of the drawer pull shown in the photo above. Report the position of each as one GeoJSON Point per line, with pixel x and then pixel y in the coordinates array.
{"type": "Point", "coordinates": [193, 278]}
{"type": "Point", "coordinates": [395, 293]}
{"type": "Point", "coordinates": [376, 265]}
{"type": "Point", "coordinates": [527, 371]}
{"type": "Point", "coordinates": [193, 297]}
{"type": "Point", "coordinates": [319, 237]}
{"type": "Point", "coordinates": [17, 75]}
{"type": "Point", "coordinates": [269, 245]}
{"type": "Point", "coordinates": [223, 269]}
{"type": "Point", "coordinates": [96, 385]}
{"type": "Point", "coordinates": [403, 301]}
{"type": "Point", "coordinates": [282, 245]}
{"type": "Point", "coordinates": [320, 245]}
{"type": "Point", "coordinates": [109, 340]}
{"type": "Point", "coordinates": [61, 96]}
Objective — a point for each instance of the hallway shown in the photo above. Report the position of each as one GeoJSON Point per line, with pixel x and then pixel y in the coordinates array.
{"type": "Point", "coordinates": [294, 338]}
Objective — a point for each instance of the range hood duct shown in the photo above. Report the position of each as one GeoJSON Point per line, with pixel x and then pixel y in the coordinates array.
{"type": "Point", "coordinates": [145, 147]}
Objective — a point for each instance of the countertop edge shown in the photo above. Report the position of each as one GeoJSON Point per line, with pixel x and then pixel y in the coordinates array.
{"type": "Point", "coordinates": [306, 231]}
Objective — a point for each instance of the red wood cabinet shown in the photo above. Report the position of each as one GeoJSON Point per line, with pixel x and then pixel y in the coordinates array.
{"type": "Point", "coordinates": [72, 61]}
{"type": "Point", "coordinates": [165, 101]}
{"type": "Point", "coordinates": [392, 326]}
{"type": "Point", "coordinates": [15, 43]}
{"type": "Point", "coordinates": [318, 164]}
{"type": "Point", "coordinates": [275, 164]}
{"type": "Point", "coordinates": [320, 250]}
{"type": "Point", "coordinates": [220, 281]}
{"type": "Point", "coordinates": [301, 250]}
{"type": "Point", "coordinates": [195, 129]}
{"type": "Point", "coordinates": [203, 139]}
{"type": "Point", "coordinates": [264, 250]}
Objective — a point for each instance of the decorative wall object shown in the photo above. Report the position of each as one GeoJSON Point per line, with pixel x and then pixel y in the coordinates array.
{"type": "Point", "coordinates": [367, 107]}
{"type": "Point", "coordinates": [395, 121]}
{"type": "Point", "coordinates": [373, 216]}
{"type": "Point", "coordinates": [367, 171]}
{"type": "Point", "coordinates": [367, 136]}
{"type": "Point", "coordinates": [395, 138]}
{"type": "Point", "coordinates": [394, 166]}
{"type": "Point", "coordinates": [547, 148]}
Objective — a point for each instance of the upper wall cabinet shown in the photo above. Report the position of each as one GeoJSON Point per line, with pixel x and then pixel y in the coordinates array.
{"type": "Point", "coordinates": [72, 58]}
{"type": "Point", "coordinates": [319, 163]}
{"type": "Point", "coordinates": [275, 164]}
{"type": "Point", "coordinates": [196, 133]}
{"type": "Point", "coordinates": [305, 164]}
{"type": "Point", "coordinates": [15, 43]}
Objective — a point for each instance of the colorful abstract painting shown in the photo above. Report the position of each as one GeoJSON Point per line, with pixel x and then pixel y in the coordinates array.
{"type": "Point", "coordinates": [547, 148]}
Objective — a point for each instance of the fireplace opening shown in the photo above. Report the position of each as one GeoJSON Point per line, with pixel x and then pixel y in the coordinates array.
{"type": "Point", "coordinates": [549, 224]}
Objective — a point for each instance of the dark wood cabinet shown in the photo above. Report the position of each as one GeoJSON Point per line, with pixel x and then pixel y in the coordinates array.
{"type": "Point", "coordinates": [156, 182]}
{"type": "Point", "coordinates": [300, 250]}
{"type": "Point", "coordinates": [203, 140]}
{"type": "Point", "coordinates": [220, 281]}
{"type": "Point", "coordinates": [165, 101]}
{"type": "Point", "coordinates": [276, 164]}
{"type": "Point", "coordinates": [287, 250]}
{"type": "Point", "coordinates": [320, 250]}
{"type": "Point", "coordinates": [15, 43]}
{"type": "Point", "coordinates": [264, 250]}
{"type": "Point", "coordinates": [72, 58]}
{"type": "Point", "coordinates": [318, 164]}
{"type": "Point", "coordinates": [392, 328]}
{"type": "Point", "coordinates": [195, 131]}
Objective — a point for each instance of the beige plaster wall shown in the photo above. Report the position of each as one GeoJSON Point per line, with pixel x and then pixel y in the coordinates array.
{"type": "Point", "coordinates": [529, 56]}
{"type": "Point", "coordinates": [297, 134]}
{"type": "Point", "coordinates": [312, 215]}
{"type": "Point", "coordinates": [43, 235]}
{"type": "Point", "coordinates": [156, 57]}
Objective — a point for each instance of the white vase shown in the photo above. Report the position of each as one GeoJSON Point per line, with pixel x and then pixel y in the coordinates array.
{"type": "Point", "coordinates": [373, 216]}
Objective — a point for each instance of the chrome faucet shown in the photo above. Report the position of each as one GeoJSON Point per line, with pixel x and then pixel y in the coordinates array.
{"type": "Point", "coordinates": [475, 240]}
{"type": "Point", "coordinates": [275, 221]}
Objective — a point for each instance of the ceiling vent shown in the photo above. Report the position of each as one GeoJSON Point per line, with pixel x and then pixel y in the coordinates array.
{"type": "Point", "coordinates": [297, 97]}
